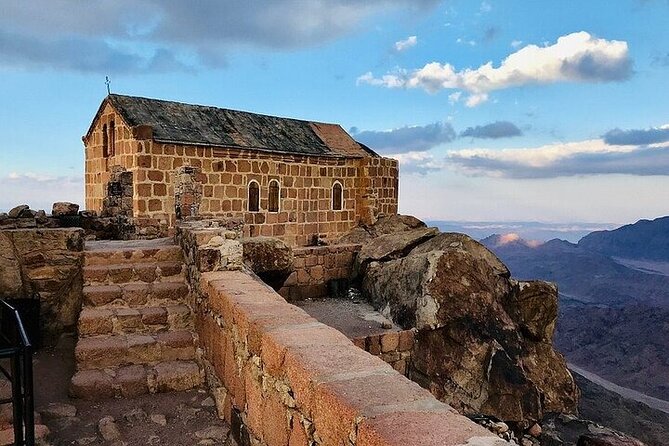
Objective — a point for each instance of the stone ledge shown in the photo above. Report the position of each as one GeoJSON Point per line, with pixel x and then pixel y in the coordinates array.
{"type": "Point", "coordinates": [282, 369]}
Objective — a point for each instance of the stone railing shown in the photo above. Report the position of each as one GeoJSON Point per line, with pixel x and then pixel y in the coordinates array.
{"type": "Point", "coordinates": [282, 378]}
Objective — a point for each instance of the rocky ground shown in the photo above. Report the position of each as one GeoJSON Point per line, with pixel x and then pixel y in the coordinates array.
{"type": "Point", "coordinates": [177, 418]}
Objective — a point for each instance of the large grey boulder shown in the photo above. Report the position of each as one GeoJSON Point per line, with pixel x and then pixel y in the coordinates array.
{"type": "Point", "coordinates": [484, 341]}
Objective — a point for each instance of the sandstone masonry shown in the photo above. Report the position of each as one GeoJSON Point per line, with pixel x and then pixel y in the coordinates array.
{"type": "Point", "coordinates": [312, 180]}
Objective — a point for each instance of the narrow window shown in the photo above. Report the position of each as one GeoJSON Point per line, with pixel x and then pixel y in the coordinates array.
{"type": "Point", "coordinates": [337, 196]}
{"type": "Point", "coordinates": [254, 197]}
{"type": "Point", "coordinates": [105, 142]}
{"type": "Point", "coordinates": [274, 196]}
{"type": "Point", "coordinates": [112, 139]}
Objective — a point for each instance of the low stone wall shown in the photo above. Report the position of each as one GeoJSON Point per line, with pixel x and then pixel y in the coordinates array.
{"type": "Point", "coordinates": [393, 347]}
{"type": "Point", "coordinates": [281, 378]}
{"type": "Point", "coordinates": [315, 267]}
{"type": "Point", "coordinates": [47, 262]}
{"type": "Point", "coordinates": [119, 227]}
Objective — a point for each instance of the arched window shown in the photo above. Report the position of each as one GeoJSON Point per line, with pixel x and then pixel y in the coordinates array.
{"type": "Point", "coordinates": [105, 142]}
{"type": "Point", "coordinates": [337, 196]}
{"type": "Point", "coordinates": [112, 139]}
{"type": "Point", "coordinates": [274, 193]}
{"type": "Point", "coordinates": [254, 196]}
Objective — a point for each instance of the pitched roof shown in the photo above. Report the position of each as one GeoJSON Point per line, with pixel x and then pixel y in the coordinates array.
{"type": "Point", "coordinates": [175, 122]}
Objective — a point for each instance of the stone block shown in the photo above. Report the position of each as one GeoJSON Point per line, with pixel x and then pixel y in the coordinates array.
{"type": "Point", "coordinates": [132, 381]}
{"type": "Point", "coordinates": [91, 385]}
{"type": "Point", "coordinates": [174, 376]}
{"type": "Point", "coordinates": [390, 341]}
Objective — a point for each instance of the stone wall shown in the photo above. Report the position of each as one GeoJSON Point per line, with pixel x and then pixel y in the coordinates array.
{"type": "Point", "coordinates": [98, 168]}
{"type": "Point", "coordinates": [48, 262]}
{"type": "Point", "coordinates": [118, 227]}
{"type": "Point", "coordinates": [281, 378]}
{"type": "Point", "coordinates": [315, 267]}
{"type": "Point", "coordinates": [305, 211]}
{"type": "Point", "coordinates": [394, 347]}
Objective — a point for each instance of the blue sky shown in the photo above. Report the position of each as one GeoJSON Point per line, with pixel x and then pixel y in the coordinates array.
{"type": "Point", "coordinates": [567, 123]}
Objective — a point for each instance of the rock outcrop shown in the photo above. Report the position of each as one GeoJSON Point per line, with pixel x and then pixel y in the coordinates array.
{"type": "Point", "coordinates": [484, 340]}
{"type": "Point", "coordinates": [565, 430]}
{"type": "Point", "coordinates": [270, 258]}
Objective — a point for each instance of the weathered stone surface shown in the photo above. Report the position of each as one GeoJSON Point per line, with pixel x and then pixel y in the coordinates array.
{"type": "Point", "coordinates": [64, 209]}
{"type": "Point", "coordinates": [48, 262]}
{"type": "Point", "coordinates": [16, 211]}
{"type": "Point", "coordinates": [452, 241]}
{"type": "Point", "coordinates": [484, 341]}
{"type": "Point", "coordinates": [534, 307]}
{"type": "Point", "coordinates": [564, 429]}
{"type": "Point", "coordinates": [267, 254]}
{"type": "Point", "coordinates": [392, 246]}
{"type": "Point", "coordinates": [384, 225]}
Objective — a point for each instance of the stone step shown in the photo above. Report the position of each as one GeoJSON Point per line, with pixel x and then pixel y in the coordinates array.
{"type": "Point", "coordinates": [135, 294]}
{"type": "Point", "coordinates": [115, 252]}
{"type": "Point", "coordinates": [133, 272]}
{"type": "Point", "coordinates": [99, 352]}
{"type": "Point", "coordinates": [134, 380]}
{"type": "Point", "coordinates": [95, 321]}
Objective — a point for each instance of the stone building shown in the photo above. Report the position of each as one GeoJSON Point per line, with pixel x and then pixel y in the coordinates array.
{"type": "Point", "coordinates": [301, 181]}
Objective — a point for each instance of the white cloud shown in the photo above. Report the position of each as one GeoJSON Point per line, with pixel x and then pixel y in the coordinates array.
{"type": "Point", "coordinates": [577, 57]}
{"type": "Point", "coordinates": [418, 162]}
{"type": "Point", "coordinates": [38, 190]}
{"type": "Point", "coordinates": [516, 43]}
{"type": "Point", "coordinates": [454, 97]}
{"type": "Point", "coordinates": [590, 157]}
{"type": "Point", "coordinates": [402, 45]}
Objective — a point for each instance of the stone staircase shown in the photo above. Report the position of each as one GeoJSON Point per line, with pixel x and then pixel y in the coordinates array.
{"type": "Point", "coordinates": [135, 327]}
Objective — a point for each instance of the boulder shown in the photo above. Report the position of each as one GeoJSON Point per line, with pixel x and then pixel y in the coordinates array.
{"type": "Point", "coordinates": [64, 209]}
{"type": "Point", "coordinates": [390, 224]}
{"type": "Point", "coordinates": [270, 258]}
{"type": "Point", "coordinates": [267, 254]}
{"type": "Point", "coordinates": [564, 429]}
{"type": "Point", "coordinates": [533, 305]}
{"type": "Point", "coordinates": [392, 246]}
{"type": "Point", "coordinates": [452, 241]}
{"type": "Point", "coordinates": [18, 210]}
{"type": "Point", "coordinates": [484, 341]}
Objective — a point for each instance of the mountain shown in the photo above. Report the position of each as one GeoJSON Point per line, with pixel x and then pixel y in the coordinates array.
{"type": "Point", "coordinates": [612, 410]}
{"type": "Point", "coordinates": [645, 239]}
{"type": "Point", "coordinates": [628, 346]}
{"type": "Point", "coordinates": [583, 276]}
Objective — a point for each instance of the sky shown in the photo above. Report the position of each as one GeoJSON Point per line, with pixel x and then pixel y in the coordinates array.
{"type": "Point", "coordinates": [497, 110]}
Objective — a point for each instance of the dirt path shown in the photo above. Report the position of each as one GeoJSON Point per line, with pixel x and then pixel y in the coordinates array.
{"type": "Point", "coordinates": [178, 418]}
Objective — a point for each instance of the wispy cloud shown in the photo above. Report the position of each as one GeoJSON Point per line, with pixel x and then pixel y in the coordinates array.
{"type": "Point", "coordinates": [406, 139]}
{"type": "Point", "coordinates": [420, 163]}
{"type": "Point", "coordinates": [577, 57]}
{"type": "Point", "coordinates": [494, 130]}
{"type": "Point", "coordinates": [39, 191]}
{"type": "Point", "coordinates": [591, 157]}
{"type": "Point", "coordinates": [403, 45]}
{"type": "Point", "coordinates": [137, 36]}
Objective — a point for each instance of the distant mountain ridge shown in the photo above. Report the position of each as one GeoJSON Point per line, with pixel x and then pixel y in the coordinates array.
{"type": "Point", "coordinates": [645, 239]}
{"type": "Point", "coordinates": [584, 277]}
